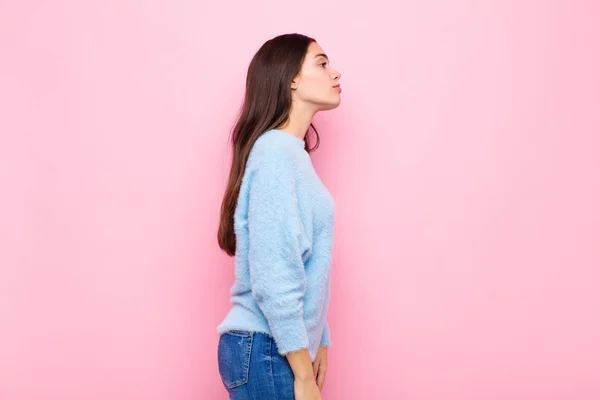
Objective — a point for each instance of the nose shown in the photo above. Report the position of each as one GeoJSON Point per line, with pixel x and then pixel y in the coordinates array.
{"type": "Point", "coordinates": [338, 75]}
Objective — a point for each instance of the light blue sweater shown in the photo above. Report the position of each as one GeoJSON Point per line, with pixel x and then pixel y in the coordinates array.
{"type": "Point", "coordinates": [284, 223]}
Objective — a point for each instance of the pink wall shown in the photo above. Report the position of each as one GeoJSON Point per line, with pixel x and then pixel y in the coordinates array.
{"type": "Point", "coordinates": [463, 159]}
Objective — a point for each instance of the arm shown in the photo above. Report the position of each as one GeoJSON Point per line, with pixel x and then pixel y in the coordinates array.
{"type": "Point", "coordinates": [277, 275]}
{"type": "Point", "coordinates": [301, 365]}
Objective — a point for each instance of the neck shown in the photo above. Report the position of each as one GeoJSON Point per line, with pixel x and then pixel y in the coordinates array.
{"type": "Point", "coordinates": [299, 121]}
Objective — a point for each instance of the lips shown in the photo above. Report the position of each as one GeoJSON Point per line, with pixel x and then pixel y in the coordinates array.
{"type": "Point", "coordinates": [338, 87]}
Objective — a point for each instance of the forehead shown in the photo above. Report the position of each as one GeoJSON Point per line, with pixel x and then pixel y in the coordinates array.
{"type": "Point", "coordinates": [313, 50]}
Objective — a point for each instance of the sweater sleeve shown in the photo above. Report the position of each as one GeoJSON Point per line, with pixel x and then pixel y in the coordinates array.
{"type": "Point", "coordinates": [326, 337]}
{"type": "Point", "coordinates": [275, 229]}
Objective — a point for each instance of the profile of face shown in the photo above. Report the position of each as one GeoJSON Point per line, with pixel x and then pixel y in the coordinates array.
{"type": "Point", "coordinates": [317, 85]}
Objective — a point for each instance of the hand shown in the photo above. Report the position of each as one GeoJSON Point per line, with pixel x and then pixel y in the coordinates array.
{"type": "Point", "coordinates": [320, 366]}
{"type": "Point", "coordinates": [306, 390]}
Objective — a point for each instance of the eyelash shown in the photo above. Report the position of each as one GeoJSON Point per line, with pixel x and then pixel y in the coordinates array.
{"type": "Point", "coordinates": [323, 64]}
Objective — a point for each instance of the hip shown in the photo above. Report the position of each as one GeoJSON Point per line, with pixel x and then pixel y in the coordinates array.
{"type": "Point", "coordinates": [251, 368]}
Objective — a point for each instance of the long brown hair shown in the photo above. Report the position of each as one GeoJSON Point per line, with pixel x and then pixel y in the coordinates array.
{"type": "Point", "coordinates": [266, 106]}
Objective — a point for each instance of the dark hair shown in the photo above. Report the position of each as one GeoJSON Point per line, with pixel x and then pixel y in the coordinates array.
{"type": "Point", "coordinates": [266, 106]}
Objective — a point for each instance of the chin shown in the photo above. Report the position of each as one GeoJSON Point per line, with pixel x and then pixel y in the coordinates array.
{"type": "Point", "coordinates": [330, 105]}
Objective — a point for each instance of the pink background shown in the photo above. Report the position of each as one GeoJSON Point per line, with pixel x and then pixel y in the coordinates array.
{"type": "Point", "coordinates": [464, 160]}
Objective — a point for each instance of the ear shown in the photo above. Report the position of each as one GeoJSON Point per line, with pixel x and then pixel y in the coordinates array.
{"type": "Point", "coordinates": [294, 84]}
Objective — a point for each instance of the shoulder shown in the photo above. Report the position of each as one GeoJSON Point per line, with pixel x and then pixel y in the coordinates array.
{"type": "Point", "coordinates": [270, 152]}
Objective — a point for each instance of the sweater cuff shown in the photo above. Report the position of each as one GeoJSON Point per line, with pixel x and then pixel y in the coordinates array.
{"type": "Point", "coordinates": [289, 334]}
{"type": "Point", "coordinates": [326, 337]}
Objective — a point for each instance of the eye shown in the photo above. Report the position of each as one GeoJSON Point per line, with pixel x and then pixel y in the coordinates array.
{"type": "Point", "coordinates": [323, 64]}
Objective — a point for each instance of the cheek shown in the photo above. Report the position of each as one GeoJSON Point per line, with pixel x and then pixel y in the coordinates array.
{"type": "Point", "coordinates": [317, 87]}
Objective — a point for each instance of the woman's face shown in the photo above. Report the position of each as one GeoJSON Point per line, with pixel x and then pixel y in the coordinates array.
{"type": "Point", "coordinates": [316, 83]}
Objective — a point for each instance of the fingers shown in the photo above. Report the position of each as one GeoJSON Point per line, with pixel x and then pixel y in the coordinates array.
{"type": "Point", "coordinates": [321, 379]}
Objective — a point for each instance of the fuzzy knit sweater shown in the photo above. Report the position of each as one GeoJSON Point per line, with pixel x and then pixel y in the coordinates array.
{"type": "Point", "coordinates": [284, 223]}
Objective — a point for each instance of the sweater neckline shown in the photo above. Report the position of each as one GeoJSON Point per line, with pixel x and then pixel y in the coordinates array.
{"type": "Point", "coordinates": [289, 137]}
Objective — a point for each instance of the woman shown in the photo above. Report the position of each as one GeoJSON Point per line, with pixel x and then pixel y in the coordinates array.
{"type": "Point", "coordinates": [277, 219]}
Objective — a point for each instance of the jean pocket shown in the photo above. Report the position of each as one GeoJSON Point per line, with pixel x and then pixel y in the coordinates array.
{"type": "Point", "coordinates": [234, 357]}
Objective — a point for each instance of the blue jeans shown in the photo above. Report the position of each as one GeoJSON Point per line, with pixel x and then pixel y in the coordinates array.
{"type": "Point", "coordinates": [251, 368]}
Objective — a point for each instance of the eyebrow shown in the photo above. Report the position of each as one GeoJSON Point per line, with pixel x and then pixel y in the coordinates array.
{"type": "Point", "coordinates": [322, 55]}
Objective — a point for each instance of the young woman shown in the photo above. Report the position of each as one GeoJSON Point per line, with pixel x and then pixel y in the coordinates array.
{"type": "Point", "coordinates": [277, 219]}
